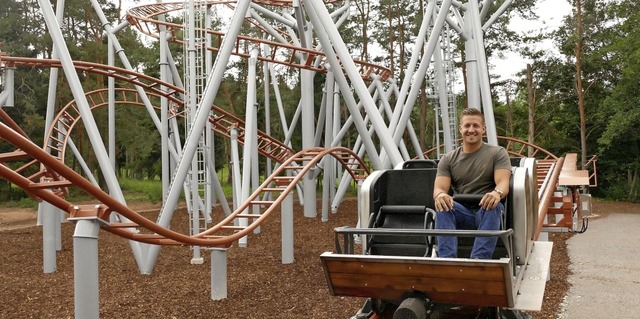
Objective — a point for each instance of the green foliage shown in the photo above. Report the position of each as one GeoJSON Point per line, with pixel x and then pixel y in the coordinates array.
{"type": "Point", "coordinates": [137, 189]}
{"type": "Point", "coordinates": [610, 65]}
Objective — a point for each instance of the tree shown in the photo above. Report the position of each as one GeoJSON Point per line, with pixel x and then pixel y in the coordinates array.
{"type": "Point", "coordinates": [579, 88]}
{"type": "Point", "coordinates": [621, 137]}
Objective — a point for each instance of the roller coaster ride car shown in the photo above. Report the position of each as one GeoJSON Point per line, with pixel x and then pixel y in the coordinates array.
{"type": "Point", "coordinates": [399, 272]}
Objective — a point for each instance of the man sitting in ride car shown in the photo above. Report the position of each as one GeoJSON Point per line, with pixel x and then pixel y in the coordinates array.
{"type": "Point", "coordinates": [473, 168]}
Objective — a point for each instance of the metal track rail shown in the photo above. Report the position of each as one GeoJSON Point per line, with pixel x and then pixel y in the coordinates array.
{"type": "Point", "coordinates": [143, 18]}
{"type": "Point", "coordinates": [223, 121]}
{"type": "Point", "coordinates": [220, 235]}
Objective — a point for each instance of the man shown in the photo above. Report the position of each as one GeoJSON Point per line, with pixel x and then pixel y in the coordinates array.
{"type": "Point", "coordinates": [473, 168]}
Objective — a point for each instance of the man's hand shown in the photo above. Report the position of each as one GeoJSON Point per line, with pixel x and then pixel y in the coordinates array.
{"type": "Point", "coordinates": [489, 200]}
{"type": "Point", "coordinates": [444, 202]}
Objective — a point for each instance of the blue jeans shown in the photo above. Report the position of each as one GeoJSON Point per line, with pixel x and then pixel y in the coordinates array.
{"type": "Point", "coordinates": [461, 217]}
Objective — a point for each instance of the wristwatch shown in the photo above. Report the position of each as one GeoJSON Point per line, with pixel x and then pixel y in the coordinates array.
{"type": "Point", "coordinates": [499, 191]}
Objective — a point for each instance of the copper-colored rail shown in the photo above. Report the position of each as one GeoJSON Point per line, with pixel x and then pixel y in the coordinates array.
{"type": "Point", "coordinates": [548, 189]}
{"type": "Point", "coordinates": [159, 235]}
{"type": "Point", "coordinates": [143, 18]}
{"type": "Point", "coordinates": [223, 122]}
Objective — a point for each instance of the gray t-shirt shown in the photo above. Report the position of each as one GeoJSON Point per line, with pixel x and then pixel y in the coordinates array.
{"type": "Point", "coordinates": [472, 173]}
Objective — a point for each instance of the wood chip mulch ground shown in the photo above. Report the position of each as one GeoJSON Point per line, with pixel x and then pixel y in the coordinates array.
{"type": "Point", "coordinates": [259, 285]}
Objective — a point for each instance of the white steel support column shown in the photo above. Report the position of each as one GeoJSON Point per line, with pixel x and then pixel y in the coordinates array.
{"type": "Point", "coordinates": [473, 87]}
{"type": "Point", "coordinates": [235, 170]}
{"type": "Point", "coordinates": [83, 164]}
{"type": "Point", "coordinates": [321, 20]}
{"type": "Point", "coordinates": [266, 74]}
{"type": "Point", "coordinates": [8, 93]}
{"type": "Point", "coordinates": [346, 178]}
{"type": "Point", "coordinates": [413, 62]}
{"type": "Point", "coordinates": [53, 74]}
{"type": "Point", "coordinates": [85, 268]}
{"type": "Point", "coordinates": [503, 7]}
{"type": "Point", "coordinates": [210, 162]}
{"type": "Point", "coordinates": [127, 65]}
{"type": "Point", "coordinates": [337, 119]}
{"type": "Point", "coordinates": [434, 38]}
{"type": "Point", "coordinates": [255, 167]}
{"type": "Point", "coordinates": [85, 112]}
{"type": "Point", "coordinates": [250, 138]}
{"type": "Point", "coordinates": [50, 220]}
{"type": "Point", "coordinates": [308, 130]}
{"type": "Point", "coordinates": [443, 101]}
{"type": "Point", "coordinates": [217, 188]}
{"type": "Point", "coordinates": [111, 121]}
{"type": "Point", "coordinates": [287, 229]}
{"type": "Point", "coordinates": [307, 105]}
{"type": "Point", "coordinates": [51, 109]}
{"type": "Point", "coordinates": [200, 119]}
{"type": "Point", "coordinates": [320, 122]}
{"type": "Point", "coordinates": [164, 115]}
{"type": "Point", "coordinates": [4, 95]}
{"type": "Point", "coordinates": [212, 183]}
{"type": "Point", "coordinates": [218, 273]}
{"type": "Point", "coordinates": [483, 73]}
{"type": "Point", "coordinates": [328, 165]}
{"type": "Point", "coordinates": [276, 90]}
{"type": "Point", "coordinates": [345, 88]}
{"type": "Point", "coordinates": [294, 122]}
{"type": "Point", "coordinates": [192, 74]}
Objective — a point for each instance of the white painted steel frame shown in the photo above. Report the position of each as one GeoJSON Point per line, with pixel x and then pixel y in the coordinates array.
{"type": "Point", "coordinates": [392, 149]}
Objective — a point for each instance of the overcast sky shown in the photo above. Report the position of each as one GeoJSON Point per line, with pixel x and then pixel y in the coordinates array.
{"type": "Point", "coordinates": [551, 13]}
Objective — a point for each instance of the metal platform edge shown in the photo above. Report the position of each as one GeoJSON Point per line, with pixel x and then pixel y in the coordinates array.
{"type": "Point", "coordinates": [534, 279]}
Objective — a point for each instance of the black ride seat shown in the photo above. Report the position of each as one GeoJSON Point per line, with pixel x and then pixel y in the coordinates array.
{"type": "Point", "coordinates": [403, 200]}
{"type": "Point", "coordinates": [401, 217]}
{"type": "Point", "coordinates": [420, 163]}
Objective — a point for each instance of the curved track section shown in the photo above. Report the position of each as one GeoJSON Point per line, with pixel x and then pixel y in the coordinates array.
{"type": "Point", "coordinates": [144, 19]}
{"type": "Point", "coordinates": [223, 122]}
{"type": "Point", "coordinates": [220, 235]}
{"type": "Point", "coordinates": [149, 83]}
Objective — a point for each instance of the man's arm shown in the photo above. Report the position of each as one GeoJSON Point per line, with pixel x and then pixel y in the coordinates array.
{"type": "Point", "coordinates": [441, 198]}
{"type": "Point", "coordinates": [502, 178]}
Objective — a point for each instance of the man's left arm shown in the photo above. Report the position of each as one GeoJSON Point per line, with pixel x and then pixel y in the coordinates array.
{"type": "Point", "coordinates": [502, 178]}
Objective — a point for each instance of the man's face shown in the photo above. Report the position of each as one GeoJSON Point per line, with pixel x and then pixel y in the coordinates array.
{"type": "Point", "coordinates": [472, 128]}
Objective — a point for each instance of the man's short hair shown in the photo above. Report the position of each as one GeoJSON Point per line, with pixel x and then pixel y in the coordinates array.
{"type": "Point", "coordinates": [471, 111]}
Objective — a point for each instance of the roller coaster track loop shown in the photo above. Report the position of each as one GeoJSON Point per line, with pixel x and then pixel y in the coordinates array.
{"type": "Point", "coordinates": [143, 18]}
{"type": "Point", "coordinates": [285, 183]}
{"type": "Point", "coordinates": [222, 122]}
{"type": "Point", "coordinates": [147, 82]}
{"type": "Point", "coordinates": [217, 236]}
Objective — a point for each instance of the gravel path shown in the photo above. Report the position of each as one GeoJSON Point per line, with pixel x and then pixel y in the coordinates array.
{"type": "Point", "coordinates": [605, 279]}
